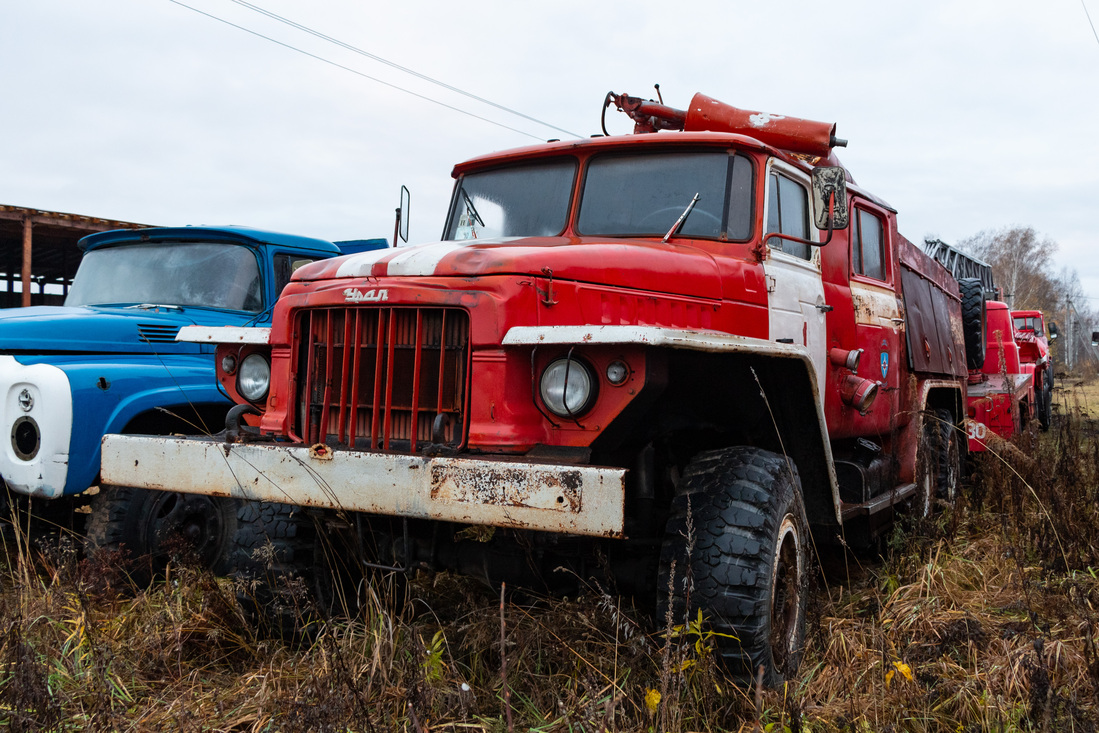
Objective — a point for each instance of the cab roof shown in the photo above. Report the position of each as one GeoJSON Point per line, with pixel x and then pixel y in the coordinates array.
{"type": "Point", "coordinates": [227, 234]}
{"type": "Point", "coordinates": [667, 139]}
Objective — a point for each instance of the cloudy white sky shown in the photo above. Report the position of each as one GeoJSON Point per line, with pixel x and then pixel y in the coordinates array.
{"type": "Point", "coordinates": [963, 115]}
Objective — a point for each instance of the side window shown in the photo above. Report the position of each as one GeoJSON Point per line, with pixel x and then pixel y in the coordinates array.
{"type": "Point", "coordinates": [868, 246]}
{"type": "Point", "coordinates": [285, 266]}
{"type": "Point", "coordinates": [788, 213]}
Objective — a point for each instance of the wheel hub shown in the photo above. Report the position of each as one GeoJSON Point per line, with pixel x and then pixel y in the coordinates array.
{"type": "Point", "coordinates": [195, 520]}
{"type": "Point", "coordinates": [786, 593]}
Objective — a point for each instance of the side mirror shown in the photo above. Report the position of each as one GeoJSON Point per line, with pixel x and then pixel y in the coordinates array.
{"type": "Point", "coordinates": [830, 197]}
{"type": "Point", "coordinates": [400, 227]}
{"type": "Point", "coordinates": [1054, 332]}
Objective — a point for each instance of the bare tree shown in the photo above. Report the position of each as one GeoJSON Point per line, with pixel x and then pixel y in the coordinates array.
{"type": "Point", "coordinates": [1022, 264]}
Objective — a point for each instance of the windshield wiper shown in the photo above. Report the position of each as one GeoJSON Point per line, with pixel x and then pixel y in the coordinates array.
{"type": "Point", "coordinates": [154, 306]}
{"type": "Point", "coordinates": [471, 210]}
{"type": "Point", "coordinates": [682, 218]}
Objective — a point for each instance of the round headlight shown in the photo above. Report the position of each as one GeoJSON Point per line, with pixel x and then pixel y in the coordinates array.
{"type": "Point", "coordinates": [228, 363]}
{"type": "Point", "coordinates": [254, 377]}
{"type": "Point", "coordinates": [617, 372]}
{"type": "Point", "coordinates": [567, 387]}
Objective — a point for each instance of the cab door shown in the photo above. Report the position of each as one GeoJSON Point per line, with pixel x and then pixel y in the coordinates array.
{"type": "Point", "coordinates": [795, 299]}
{"type": "Point", "coordinates": [879, 325]}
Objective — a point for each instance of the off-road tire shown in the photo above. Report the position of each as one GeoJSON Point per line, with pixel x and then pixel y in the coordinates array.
{"type": "Point", "coordinates": [288, 578]}
{"type": "Point", "coordinates": [153, 528]}
{"type": "Point", "coordinates": [973, 321]}
{"type": "Point", "coordinates": [1044, 397]}
{"type": "Point", "coordinates": [949, 454]}
{"type": "Point", "coordinates": [737, 524]}
{"type": "Point", "coordinates": [938, 463]}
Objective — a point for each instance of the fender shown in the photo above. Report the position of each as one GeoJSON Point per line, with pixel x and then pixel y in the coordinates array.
{"type": "Point", "coordinates": [909, 443]}
{"type": "Point", "coordinates": [108, 394]}
{"type": "Point", "coordinates": [692, 340]}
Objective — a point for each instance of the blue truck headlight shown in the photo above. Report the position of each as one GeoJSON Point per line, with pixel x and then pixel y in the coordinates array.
{"type": "Point", "coordinates": [568, 387]}
{"type": "Point", "coordinates": [26, 438]}
{"type": "Point", "coordinates": [254, 377]}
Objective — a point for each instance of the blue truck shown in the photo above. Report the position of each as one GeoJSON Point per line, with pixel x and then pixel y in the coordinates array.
{"type": "Point", "coordinates": [108, 362]}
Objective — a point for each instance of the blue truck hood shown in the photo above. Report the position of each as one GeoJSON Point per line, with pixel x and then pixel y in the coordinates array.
{"type": "Point", "coordinates": [49, 330]}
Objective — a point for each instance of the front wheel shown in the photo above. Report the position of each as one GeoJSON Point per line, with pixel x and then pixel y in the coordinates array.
{"type": "Point", "coordinates": [745, 560]}
{"type": "Point", "coordinates": [153, 527]}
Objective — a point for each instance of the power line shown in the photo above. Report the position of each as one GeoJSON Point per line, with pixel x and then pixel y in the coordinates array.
{"type": "Point", "coordinates": [1085, 7]}
{"type": "Point", "coordinates": [354, 71]}
{"type": "Point", "coordinates": [405, 69]}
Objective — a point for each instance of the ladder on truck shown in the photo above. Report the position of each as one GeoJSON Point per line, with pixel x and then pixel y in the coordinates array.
{"type": "Point", "coordinates": [960, 264]}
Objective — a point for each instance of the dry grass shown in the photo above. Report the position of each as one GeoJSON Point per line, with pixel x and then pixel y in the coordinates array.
{"type": "Point", "coordinates": [984, 619]}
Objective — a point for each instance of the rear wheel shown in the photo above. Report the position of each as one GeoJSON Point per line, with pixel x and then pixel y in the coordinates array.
{"type": "Point", "coordinates": [155, 527]}
{"type": "Point", "coordinates": [938, 462]}
{"type": "Point", "coordinates": [949, 458]}
{"type": "Point", "coordinates": [744, 562]}
{"type": "Point", "coordinates": [1044, 397]}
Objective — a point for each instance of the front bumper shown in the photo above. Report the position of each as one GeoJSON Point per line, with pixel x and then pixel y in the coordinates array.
{"type": "Point", "coordinates": [583, 500]}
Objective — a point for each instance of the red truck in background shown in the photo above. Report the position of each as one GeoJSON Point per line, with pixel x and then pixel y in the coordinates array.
{"type": "Point", "coordinates": [675, 360]}
{"type": "Point", "coordinates": [1028, 327]}
{"type": "Point", "coordinates": [1010, 374]}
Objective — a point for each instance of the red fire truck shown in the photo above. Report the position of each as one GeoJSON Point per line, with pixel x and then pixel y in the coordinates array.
{"type": "Point", "coordinates": [1010, 372]}
{"type": "Point", "coordinates": [678, 360]}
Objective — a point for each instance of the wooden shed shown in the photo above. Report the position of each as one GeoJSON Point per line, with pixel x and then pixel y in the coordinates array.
{"type": "Point", "coordinates": [38, 253]}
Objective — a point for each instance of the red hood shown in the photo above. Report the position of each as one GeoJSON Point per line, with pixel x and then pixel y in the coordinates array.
{"type": "Point", "coordinates": [643, 265]}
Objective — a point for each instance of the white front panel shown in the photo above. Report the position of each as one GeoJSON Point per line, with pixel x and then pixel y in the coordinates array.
{"type": "Point", "coordinates": [41, 393]}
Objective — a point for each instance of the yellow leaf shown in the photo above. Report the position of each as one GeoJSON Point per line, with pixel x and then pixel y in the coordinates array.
{"type": "Point", "coordinates": [652, 701]}
{"type": "Point", "coordinates": [684, 665]}
{"type": "Point", "coordinates": [889, 676]}
{"type": "Point", "coordinates": [904, 669]}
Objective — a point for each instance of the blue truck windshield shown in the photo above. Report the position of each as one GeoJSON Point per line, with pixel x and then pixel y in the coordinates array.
{"type": "Point", "coordinates": [208, 275]}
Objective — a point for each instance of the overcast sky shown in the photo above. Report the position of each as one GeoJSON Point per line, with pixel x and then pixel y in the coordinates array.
{"type": "Point", "coordinates": [963, 115]}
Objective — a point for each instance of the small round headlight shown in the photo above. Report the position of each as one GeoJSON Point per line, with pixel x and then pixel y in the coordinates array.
{"type": "Point", "coordinates": [568, 387]}
{"type": "Point", "coordinates": [617, 372]}
{"type": "Point", "coordinates": [228, 363]}
{"type": "Point", "coordinates": [254, 377]}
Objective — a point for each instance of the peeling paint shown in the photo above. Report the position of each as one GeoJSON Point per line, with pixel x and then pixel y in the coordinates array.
{"type": "Point", "coordinates": [762, 119]}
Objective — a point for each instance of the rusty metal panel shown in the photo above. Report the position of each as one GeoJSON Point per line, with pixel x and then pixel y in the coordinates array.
{"type": "Point", "coordinates": [925, 348]}
{"type": "Point", "coordinates": [584, 500]}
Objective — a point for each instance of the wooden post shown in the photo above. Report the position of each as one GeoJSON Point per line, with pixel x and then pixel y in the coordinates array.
{"type": "Point", "coordinates": [27, 227]}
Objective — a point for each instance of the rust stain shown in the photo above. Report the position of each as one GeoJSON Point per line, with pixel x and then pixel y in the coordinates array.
{"type": "Point", "coordinates": [556, 490]}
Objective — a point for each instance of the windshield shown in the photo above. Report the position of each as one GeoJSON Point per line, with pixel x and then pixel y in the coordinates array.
{"type": "Point", "coordinates": [188, 274]}
{"type": "Point", "coordinates": [1029, 323]}
{"type": "Point", "coordinates": [525, 201]}
{"type": "Point", "coordinates": [644, 195]}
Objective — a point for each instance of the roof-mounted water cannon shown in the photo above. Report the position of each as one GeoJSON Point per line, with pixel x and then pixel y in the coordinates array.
{"type": "Point", "coordinates": [706, 114]}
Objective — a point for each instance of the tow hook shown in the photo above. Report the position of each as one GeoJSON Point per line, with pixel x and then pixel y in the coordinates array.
{"type": "Point", "coordinates": [235, 430]}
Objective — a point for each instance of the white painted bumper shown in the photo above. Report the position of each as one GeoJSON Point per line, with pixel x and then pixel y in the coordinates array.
{"type": "Point", "coordinates": [570, 499]}
{"type": "Point", "coordinates": [46, 390]}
